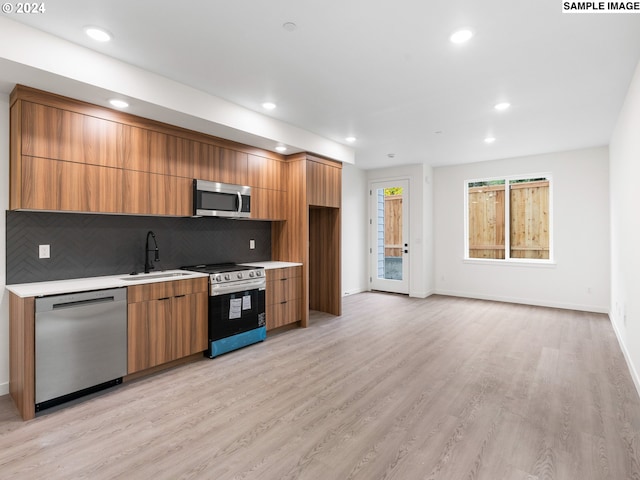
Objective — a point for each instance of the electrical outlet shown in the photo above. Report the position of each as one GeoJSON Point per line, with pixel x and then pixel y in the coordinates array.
{"type": "Point", "coordinates": [252, 244]}
{"type": "Point", "coordinates": [44, 251]}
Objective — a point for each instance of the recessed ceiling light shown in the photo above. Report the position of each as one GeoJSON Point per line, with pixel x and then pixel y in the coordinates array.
{"type": "Point", "coordinates": [289, 26]}
{"type": "Point", "coordinates": [268, 105]}
{"type": "Point", "coordinates": [281, 148]}
{"type": "Point", "coordinates": [118, 103]}
{"type": "Point", "coordinates": [461, 36]}
{"type": "Point", "coordinates": [489, 140]}
{"type": "Point", "coordinates": [98, 34]}
{"type": "Point", "coordinates": [391, 155]}
{"type": "Point", "coordinates": [350, 139]}
{"type": "Point", "coordinates": [502, 106]}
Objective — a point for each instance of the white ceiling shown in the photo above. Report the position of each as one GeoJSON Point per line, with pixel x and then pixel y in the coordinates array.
{"type": "Point", "coordinates": [385, 71]}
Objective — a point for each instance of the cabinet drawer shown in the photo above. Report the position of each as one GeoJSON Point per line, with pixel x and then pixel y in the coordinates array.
{"type": "Point", "coordinates": [155, 291]}
{"type": "Point", "coordinates": [286, 272]}
{"type": "Point", "coordinates": [282, 290]}
{"type": "Point", "coordinates": [284, 313]}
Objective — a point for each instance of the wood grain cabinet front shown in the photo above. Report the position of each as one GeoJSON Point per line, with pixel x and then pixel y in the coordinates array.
{"type": "Point", "coordinates": [283, 296]}
{"type": "Point", "coordinates": [166, 321]}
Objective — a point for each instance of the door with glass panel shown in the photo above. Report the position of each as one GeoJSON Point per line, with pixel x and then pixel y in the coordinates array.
{"type": "Point", "coordinates": [389, 226]}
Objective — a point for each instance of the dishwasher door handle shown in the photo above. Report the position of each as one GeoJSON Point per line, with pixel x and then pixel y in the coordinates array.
{"type": "Point", "coordinates": [82, 303]}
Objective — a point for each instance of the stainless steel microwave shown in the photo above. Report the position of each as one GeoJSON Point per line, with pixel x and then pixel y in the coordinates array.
{"type": "Point", "coordinates": [214, 199]}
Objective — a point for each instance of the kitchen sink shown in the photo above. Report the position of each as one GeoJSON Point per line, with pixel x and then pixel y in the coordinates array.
{"type": "Point", "coordinates": [150, 276]}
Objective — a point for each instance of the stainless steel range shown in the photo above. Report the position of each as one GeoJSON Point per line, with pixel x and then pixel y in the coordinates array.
{"type": "Point", "coordinates": [236, 306]}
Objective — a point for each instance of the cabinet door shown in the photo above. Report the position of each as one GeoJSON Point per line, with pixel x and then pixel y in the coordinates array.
{"type": "Point", "coordinates": [228, 166]}
{"type": "Point", "coordinates": [189, 324]}
{"type": "Point", "coordinates": [266, 173]}
{"type": "Point", "coordinates": [149, 334]}
{"type": "Point", "coordinates": [267, 204]}
{"type": "Point", "coordinates": [58, 134]}
{"type": "Point", "coordinates": [67, 186]}
{"type": "Point", "coordinates": [324, 185]}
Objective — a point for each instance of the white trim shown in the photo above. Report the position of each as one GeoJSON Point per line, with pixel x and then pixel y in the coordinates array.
{"type": "Point", "coordinates": [525, 301]}
{"type": "Point", "coordinates": [4, 389]}
{"type": "Point", "coordinates": [421, 294]}
{"type": "Point", "coordinates": [520, 262]}
{"type": "Point", "coordinates": [627, 357]}
{"type": "Point", "coordinates": [354, 292]}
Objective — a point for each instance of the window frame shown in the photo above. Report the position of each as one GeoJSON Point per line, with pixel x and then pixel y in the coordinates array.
{"type": "Point", "coordinates": [508, 260]}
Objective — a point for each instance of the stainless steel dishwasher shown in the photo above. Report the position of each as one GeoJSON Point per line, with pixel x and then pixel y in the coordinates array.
{"type": "Point", "coordinates": [81, 344]}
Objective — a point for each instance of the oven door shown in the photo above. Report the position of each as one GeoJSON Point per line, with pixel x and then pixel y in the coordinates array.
{"type": "Point", "coordinates": [236, 312]}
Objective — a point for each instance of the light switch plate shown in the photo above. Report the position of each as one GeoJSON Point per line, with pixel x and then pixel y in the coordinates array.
{"type": "Point", "coordinates": [44, 251]}
{"type": "Point", "coordinates": [252, 244]}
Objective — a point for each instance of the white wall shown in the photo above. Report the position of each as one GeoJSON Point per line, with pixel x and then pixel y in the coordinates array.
{"type": "Point", "coordinates": [580, 277]}
{"type": "Point", "coordinates": [354, 230]}
{"type": "Point", "coordinates": [625, 227]}
{"type": "Point", "coordinates": [4, 206]}
{"type": "Point", "coordinates": [419, 229]}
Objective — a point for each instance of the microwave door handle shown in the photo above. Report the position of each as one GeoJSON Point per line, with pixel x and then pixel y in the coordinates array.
{"type": "Point", "coordinates": [239, 202]}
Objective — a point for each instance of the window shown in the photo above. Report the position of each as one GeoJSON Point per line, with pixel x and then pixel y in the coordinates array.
{"type": "Point", "coordinates": [509, 218]}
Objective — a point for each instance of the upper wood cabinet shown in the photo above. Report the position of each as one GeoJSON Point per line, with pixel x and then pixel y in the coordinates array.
{"type": "Point", "coordinates": [324, 183]}
{"type": "Point", "coordinates": [73, 156]}
{"type": "Point", "coordinates": [54, 133]}
{"type": "Point", "coordinates": [67, 186]}
{"type": "Point", "coordinates": [267, 173]}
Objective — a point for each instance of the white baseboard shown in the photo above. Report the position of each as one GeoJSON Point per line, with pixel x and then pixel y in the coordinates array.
{"type": "Point", "coordinates": [525, 301]}
{"type": "Point", "coordinates": [421, 294]}
{"type": "Point", "coordinates": [353, 292]}
{"type": "Point", "coordinates": [4, 389]}
{"type": "Point", "coordinates": [625, 353]}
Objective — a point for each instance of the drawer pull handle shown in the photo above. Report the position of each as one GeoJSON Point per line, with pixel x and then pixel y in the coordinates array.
{"type": "Point", "coordinates": [283, 279]}
{"type": "Point", "coordinates": [282, 303]}
{"type": "Point", "coordinates": [164, 298]}
{"type": "Point", "coordinates": [180, 296]}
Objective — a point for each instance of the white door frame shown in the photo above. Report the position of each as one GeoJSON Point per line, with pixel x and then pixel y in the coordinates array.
{"type": "Point", "coordinates": [377, 282]}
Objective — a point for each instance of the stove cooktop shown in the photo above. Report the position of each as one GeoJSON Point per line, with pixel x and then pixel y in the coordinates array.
{"type": "Point", "coordinates": [218, 268]}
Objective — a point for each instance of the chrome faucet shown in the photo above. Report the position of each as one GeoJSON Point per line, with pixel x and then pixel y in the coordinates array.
{"type": "Point", "coordinates": [147, 264]}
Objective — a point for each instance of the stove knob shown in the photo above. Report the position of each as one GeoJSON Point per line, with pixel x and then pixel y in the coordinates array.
{"type": "Point", "coordinates": [219, 278]}
{"type": "Point", "coordinates": [239, 275]}
{"type": "Point", "coordinates": [227, 277]}
{"type": "Point", "coordinates": [251, 274]}
{"type": "Point", "coordinates": [258, 273]}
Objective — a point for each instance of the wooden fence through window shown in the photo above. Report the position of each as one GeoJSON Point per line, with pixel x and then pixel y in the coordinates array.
{"type": "Point", "coordinates": [528, 228]}
{"type": "Point", "coordinates": [393, 225]}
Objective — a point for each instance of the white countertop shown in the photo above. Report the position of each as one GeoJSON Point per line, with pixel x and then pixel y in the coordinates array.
{"type": "Point", "coordinates": [272, 265]}
{"type": "Point", "coordinates": [56, 287]}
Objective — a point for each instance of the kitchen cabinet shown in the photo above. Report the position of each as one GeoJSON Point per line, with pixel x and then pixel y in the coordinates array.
{"type": "Point", "coordinates": [59, 134]}
{"type": "Point", "coordinates": [145, 167]}
{"type": "Point", "coordinates": [267, 204]}
{"type": "Point", "coordinates": [68, 186]}
{"type": "Point", "coordinates": [324, 183]}
{"type": "Point", "coordinates": [283, 296]}
{"type": "Point", "coordinates": [166, 321]}
{"type": "Point", "coordinates": [266, 173]}
{"type": "Point", "coordinates": [154, 194]}
{"type": "Point", "coordinates": [311, 234]}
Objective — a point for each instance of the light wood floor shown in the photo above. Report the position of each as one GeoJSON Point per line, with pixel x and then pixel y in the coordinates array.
{"type": "Point", "coordinates": [395, 388]}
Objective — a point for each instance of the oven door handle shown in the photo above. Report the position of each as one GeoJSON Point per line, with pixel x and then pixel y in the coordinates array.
{"type": "Point", "coordinates": [239, 202]}
{"type": "Point", "coordinates": [237, 287]}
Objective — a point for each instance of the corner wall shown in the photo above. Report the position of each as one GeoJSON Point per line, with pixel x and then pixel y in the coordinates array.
{"type": "Point", "coordinates": [625, 227]}
{"type": "Point", "coordinates": [580, 277]}
{"type": "Point", "coordinates": [354, 230]}
{"type": "Point", "coordinates": [4, 206]}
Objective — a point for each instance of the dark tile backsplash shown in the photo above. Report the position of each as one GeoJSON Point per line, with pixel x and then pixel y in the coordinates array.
{"type": "Point", "coordinates": [84, 245]}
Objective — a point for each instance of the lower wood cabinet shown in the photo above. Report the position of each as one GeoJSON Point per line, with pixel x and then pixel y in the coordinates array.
{"type": "Point", "coordinates": [166, 321]}
{"type": "Point", "coordinates": [283, 296]}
